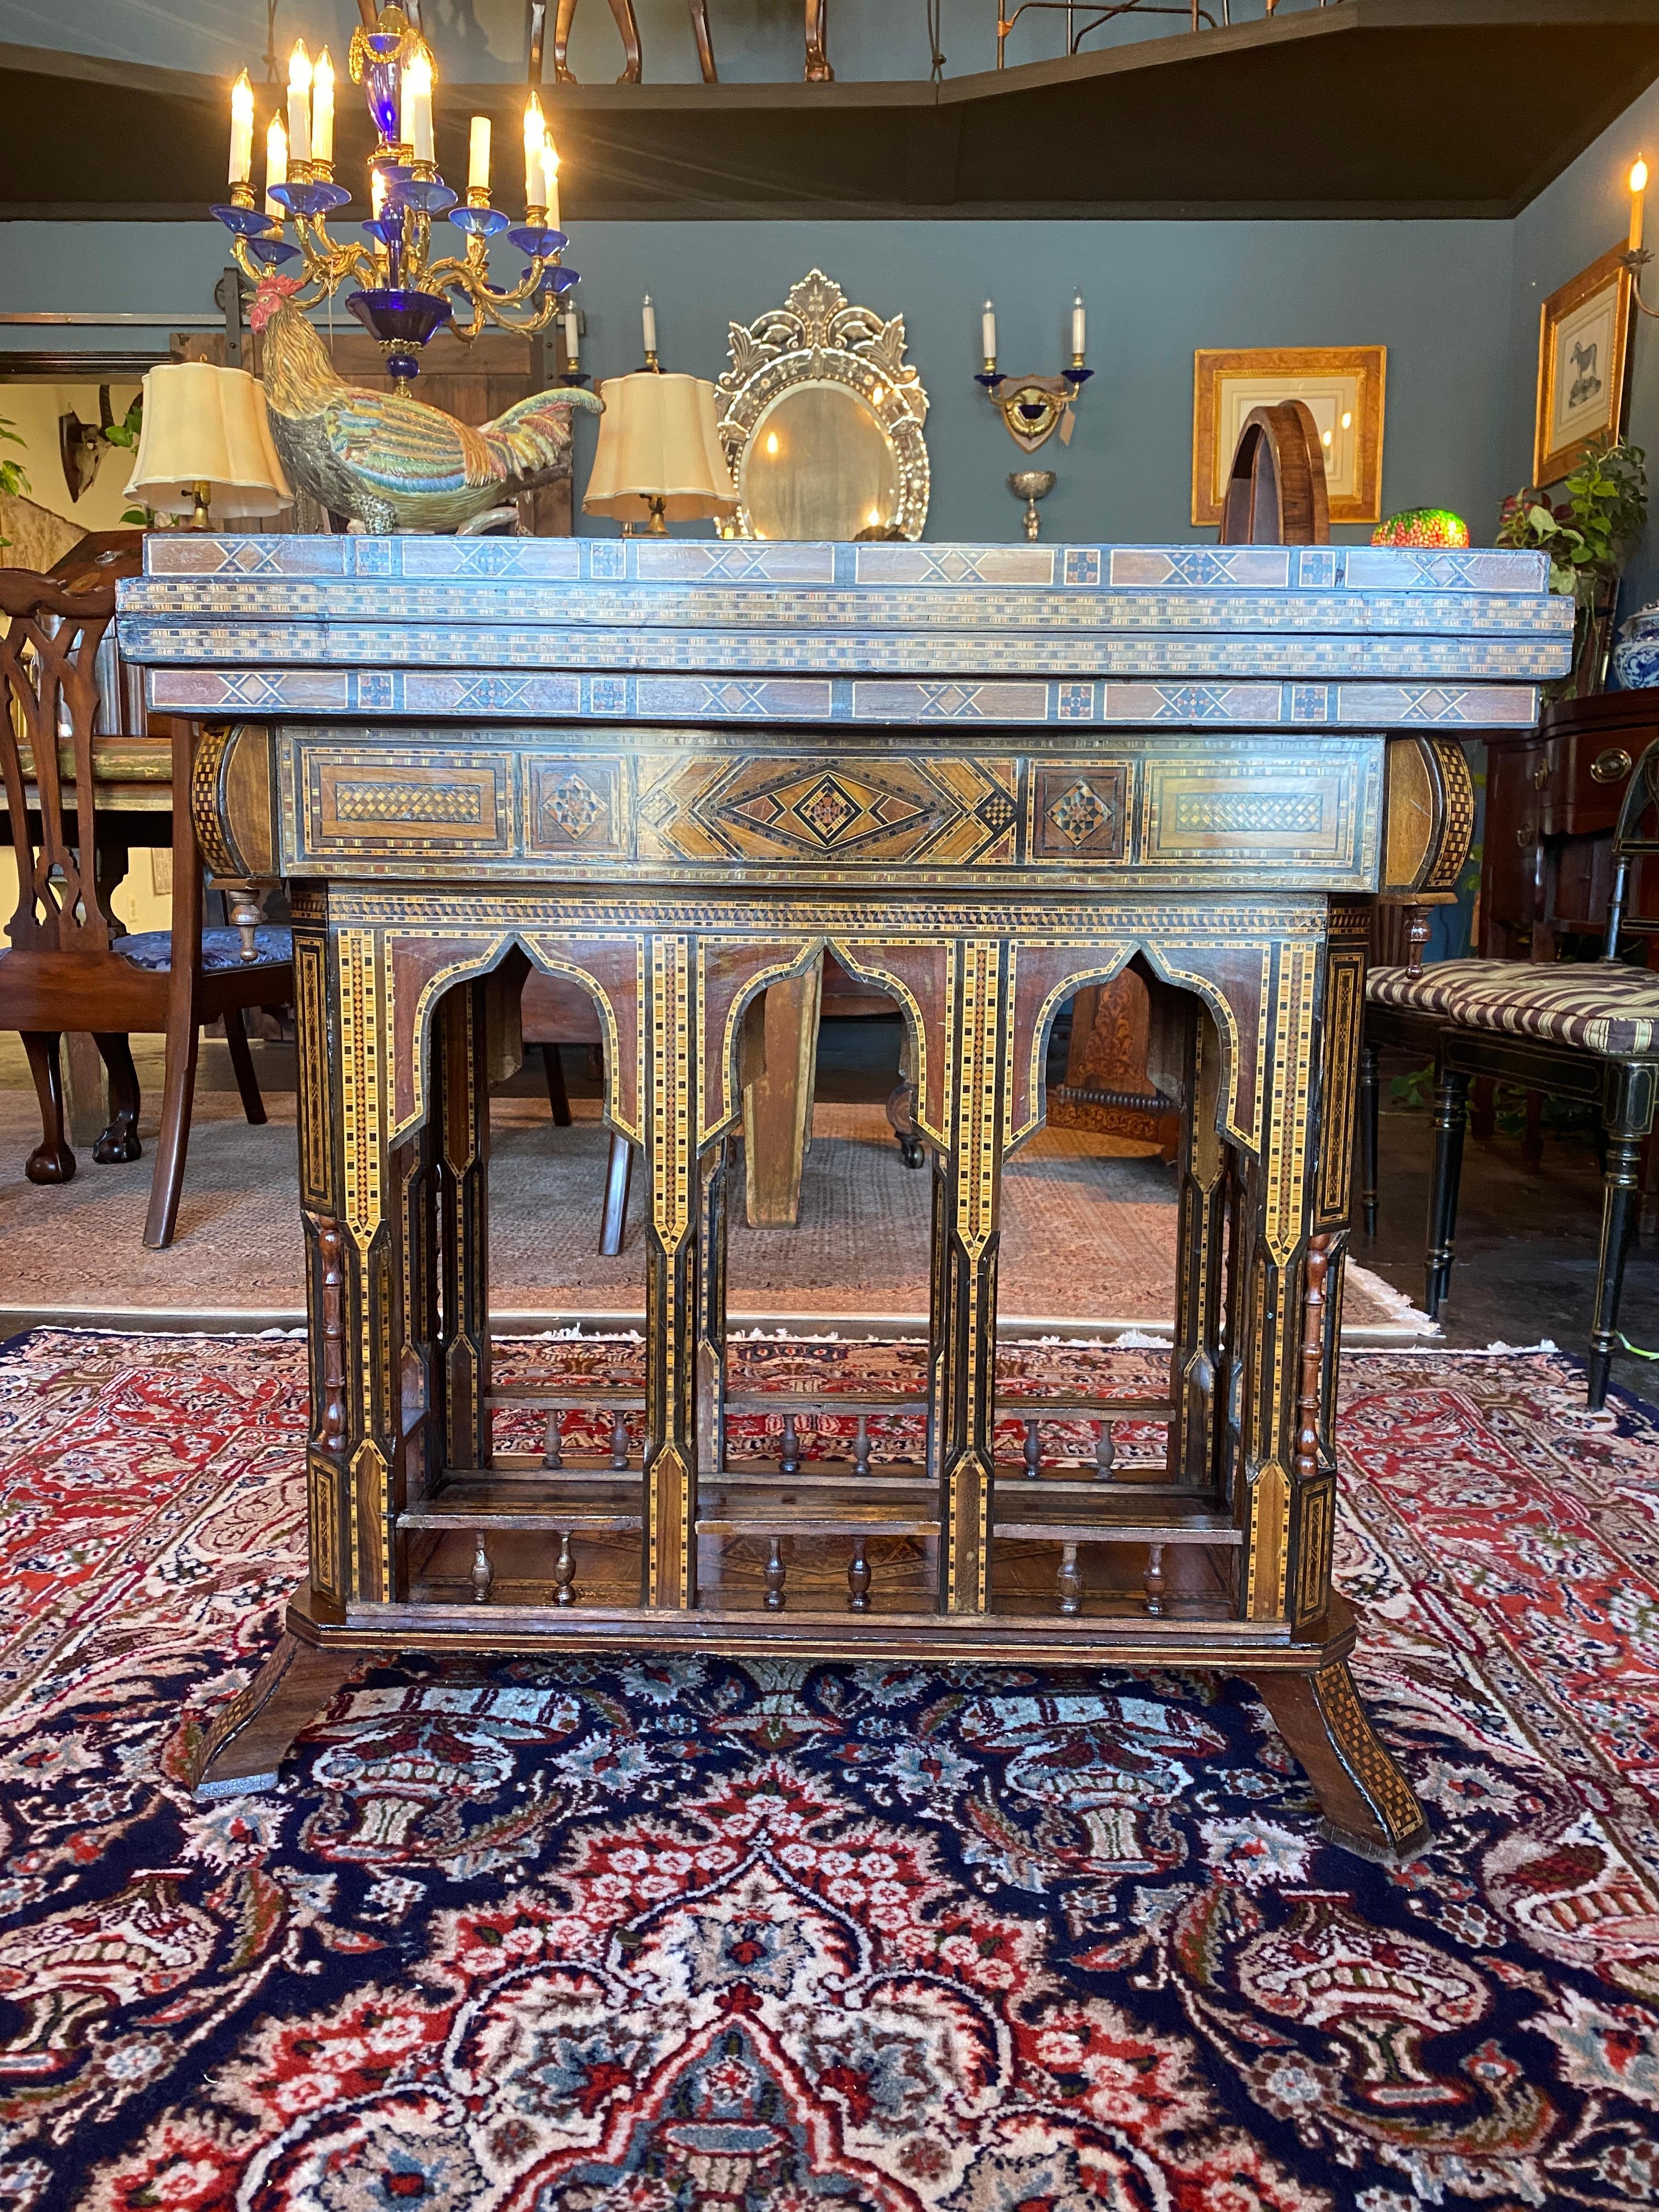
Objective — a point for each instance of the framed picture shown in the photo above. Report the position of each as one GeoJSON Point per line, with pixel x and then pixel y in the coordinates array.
{"type": "Point", "coordinates": [1583, 343]}
{"type": "Point", "coordinates": [1343, 385]}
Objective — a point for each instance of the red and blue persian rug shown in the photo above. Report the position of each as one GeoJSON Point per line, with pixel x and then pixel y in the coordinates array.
{"type": "Point", "coordinates": [647, 1936]}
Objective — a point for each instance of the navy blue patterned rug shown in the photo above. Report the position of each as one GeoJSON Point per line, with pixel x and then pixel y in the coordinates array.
{"type": "Point", "coordinates": [656, 1936]}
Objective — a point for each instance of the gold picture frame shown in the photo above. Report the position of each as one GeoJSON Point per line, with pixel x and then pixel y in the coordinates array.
{"type": "Point", "coordinates": [1343, 385]}
{"type": "Point", "coordinates": [1583, 354]}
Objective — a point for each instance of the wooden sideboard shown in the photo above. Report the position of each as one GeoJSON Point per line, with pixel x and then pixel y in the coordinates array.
{"type": "Point", "coordinates": [985, 778]}
{"type": "Point", "coordinates": [1553, 796]}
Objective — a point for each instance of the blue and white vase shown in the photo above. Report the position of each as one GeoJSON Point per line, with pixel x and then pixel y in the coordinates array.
{"type": "Point", "coordinates": [1636, 656]}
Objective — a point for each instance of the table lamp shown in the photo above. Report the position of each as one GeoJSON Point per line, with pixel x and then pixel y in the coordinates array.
{"type": "Point", "coordinates": [205, 449]}
{"type": "Point", "coordinates": [658, 455]}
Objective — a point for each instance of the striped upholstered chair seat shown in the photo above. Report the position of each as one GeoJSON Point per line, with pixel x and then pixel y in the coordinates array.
{"type": "Point", "coordinates": [1591, 1006]}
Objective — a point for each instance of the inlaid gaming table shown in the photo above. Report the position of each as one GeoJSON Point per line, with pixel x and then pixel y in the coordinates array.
{"type": "Point", "coordinates": [672, 774]}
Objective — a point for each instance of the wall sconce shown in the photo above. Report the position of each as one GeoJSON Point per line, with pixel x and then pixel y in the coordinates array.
{"type": "Point", "coordinates": [1636, 256]}
{"type": "Point", "coordinates": [1033, 407]}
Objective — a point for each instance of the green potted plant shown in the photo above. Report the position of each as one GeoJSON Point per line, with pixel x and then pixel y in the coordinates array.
{"type": "Point", "coordinates": [1588, 537]}
{"type": "Point", "coordinates": [14, 478]}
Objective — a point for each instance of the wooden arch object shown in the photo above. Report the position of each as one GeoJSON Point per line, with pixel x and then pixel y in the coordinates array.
{"type": "Point", "coordinates": [1275, 492]}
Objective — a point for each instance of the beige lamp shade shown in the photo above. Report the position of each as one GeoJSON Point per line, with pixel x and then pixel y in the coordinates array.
{"type": "Point", "coordinates": [205, 425]}
{"type": "Point", "coordinates": [657, 441]}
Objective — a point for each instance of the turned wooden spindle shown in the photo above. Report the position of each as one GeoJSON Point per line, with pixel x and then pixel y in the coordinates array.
{"type": "Point", "coordinates": [1152, 1580]}
{"type": "Point", "coordinates": [858, 1577]}
{"type": "Point", "coordinates": [1310, 1388]}
{"type": "Point", "coordinates": [564, 1572]}
{"type": "Point", "coordinates": [789, 1462]}
{"type": "Point", "coordinates": [618, 1442]}
{"type": "Point", "coordinates": [483, 1573]}
{"type": "Point", "coordinates": [551, 1457]}
{"type": "Point", "coordinates": [1417, 937]}
{"type": "Point", "coordinates": [1033, 1450]}
{"type": "Point", "coordinates": [245, 910]}
{"type": "Point", "coordinates": [861, 1447]}
{"type": "Point", "coordinates": [1105, 1451]}
{"type": "Point", "coordinates": [775, 1575]}
{"type": "Point", "coordinates": [1069, 1583]}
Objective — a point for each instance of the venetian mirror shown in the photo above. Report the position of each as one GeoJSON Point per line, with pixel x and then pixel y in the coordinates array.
{"type": "Point", "coordinates": [821, 419]}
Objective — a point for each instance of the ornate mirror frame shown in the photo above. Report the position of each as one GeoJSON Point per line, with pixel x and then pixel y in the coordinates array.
{"type": "Point", "coordinates": [816, 337]}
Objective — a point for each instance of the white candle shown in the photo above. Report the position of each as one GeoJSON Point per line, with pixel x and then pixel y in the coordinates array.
{"type": "Point", "coordinates": [535, 138]}
{"type": "Point", "coordinates": [1638, 192]}
{"type": "Point", "coordinates": [1079, 330]}
{"type": "Point", "coordinates": [299, 105]}
{"type": "Point", "coordinates": [478, 155]}
{"type": "Point", "coordinates": [276, 167]}
{"type": "Point", "coordinates": [415, 116]}
{"type": "Point", "coordinates": [988, 332]}
{"type": "Point", "coordinates": [550, 180]}
{"type": "Point", "coordinates": [322, 110]}
{"type": "Point", "coordinates": [648, 323]}
{"type": "Point", "coordinates": [241, 131]}
{"type": "Point", "coordinates": [573, 359]}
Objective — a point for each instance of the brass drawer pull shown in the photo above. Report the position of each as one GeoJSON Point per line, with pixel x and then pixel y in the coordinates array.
{"type": "Point", "coordinates": [1526, 835]}
{"type": "Point", "coordinates": [1540, 776]}
{"type": "Point", "coordinates": [1612, 766]}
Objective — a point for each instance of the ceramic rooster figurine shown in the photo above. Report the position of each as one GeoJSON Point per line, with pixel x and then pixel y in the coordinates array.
{"type": "Point", "coordinates": [387, 459]}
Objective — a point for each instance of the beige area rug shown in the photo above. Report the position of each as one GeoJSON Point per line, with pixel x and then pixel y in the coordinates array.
{"type": "Point", "coordinates": [1087, 1240]}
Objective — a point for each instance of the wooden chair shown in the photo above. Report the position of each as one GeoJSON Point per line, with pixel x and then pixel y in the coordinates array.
{"type": "Point", "coordinates": [71, 964]}
{"type": "Point", "coordinates": [552, 1013]}
{"type": "Point", "coordinates": [1585, 1029]}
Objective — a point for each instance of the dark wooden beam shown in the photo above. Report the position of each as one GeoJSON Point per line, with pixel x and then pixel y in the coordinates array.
{"type": "Point", "coordinates": [1368, 108]}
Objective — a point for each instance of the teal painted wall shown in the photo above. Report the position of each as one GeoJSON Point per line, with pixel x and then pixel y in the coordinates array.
{"type": "Point", "coordinates": [1437, 294]}
{"type": "Point", "coordinates": [1584, 212]}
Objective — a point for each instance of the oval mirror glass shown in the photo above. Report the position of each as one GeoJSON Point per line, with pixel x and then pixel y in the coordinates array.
{"type": "Point", "coordinates": [818, 465]}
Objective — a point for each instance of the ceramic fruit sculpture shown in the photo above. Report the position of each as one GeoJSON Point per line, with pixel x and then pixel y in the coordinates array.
{"type": "Point", "coordinates": [1424, 525]}
{"type": "Point", "coordinates": [388, 460]}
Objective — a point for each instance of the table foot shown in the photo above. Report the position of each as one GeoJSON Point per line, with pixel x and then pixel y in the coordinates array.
{"type": "Point", "coordinates": [246, 1743]}
{"type": "Point", "coordinates": [1368, 1806]}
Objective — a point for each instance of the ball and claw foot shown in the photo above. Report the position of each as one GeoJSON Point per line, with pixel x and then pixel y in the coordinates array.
{"type": "Point", "coordinates": [50, 1163]}
{"type": "Point", "coordinates": [117, 1143]}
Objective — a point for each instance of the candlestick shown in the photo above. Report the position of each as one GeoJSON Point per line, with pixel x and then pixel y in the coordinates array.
{"type": "Point", "coordinates": [1079, 331]}
{"type": "Point", "coordinates": [987, 336]}
{"type": "Point", "coordinates": [322, 111]}
{"type": "Point", "coordinates": [241, 131]}
{"type": "Point", "coordinates": [550, 180]}
{"type": "Point", "coordinates": [535, 138]}
{"type": "Point", "coordinates": [299, 105]}
{"type": "Point", "coordinates": [276, 167]}
{"type": "Point", "coordinates": [1639, 193]}
{"type": "Point", "coordinates": [415, 117]}
{"type": "Point", "coordinates": [477, 156]}
{"type": "Point", "coordinates": [573, 359]}
{"type": "Point", "coordinates": [649, 325]}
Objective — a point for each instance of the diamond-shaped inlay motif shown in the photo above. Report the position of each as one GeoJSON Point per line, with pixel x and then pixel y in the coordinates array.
{"type": "Point", "coordinates": [997, 811]}
{"type": "Point", "coordinates": [826, 809]}
{"type": "Point", "coordinates": [1080, 813]}
{"type": "Point", "coordinates": [574, 807]}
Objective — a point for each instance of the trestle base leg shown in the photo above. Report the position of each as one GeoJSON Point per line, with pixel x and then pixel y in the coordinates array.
{"type": "Point", "coordinates": [1368, 1806]}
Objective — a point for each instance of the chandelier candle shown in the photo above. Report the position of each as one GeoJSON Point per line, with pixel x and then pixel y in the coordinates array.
{"type": "Point", "coordinates": [478, 159]}
{"type": "Point", "coordinates": [322, 114]}
{"type": "Point", "coordinates": [242, 131]}
{"type": "Point", "coordinates": [299, 106]}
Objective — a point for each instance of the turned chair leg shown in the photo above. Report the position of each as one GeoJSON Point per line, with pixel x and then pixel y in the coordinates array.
{"type": "Point", "coordinates": [120, 1141]}
{"type": "Point", "coordinates": [558, 1098]}
{"type": "Point", "coordinates": [1368, 1108]}
{"type": "Point", "coordinates": [1621, 1184]}
{"type": "Point", "coordinates": [241, 1060]}
{"type": "Point", "coordinates": [618, 1174]}
{"type": "Point", "coordinates": [1450, 1097]}
{"type": "Point", "coordinates": [52, 1160]}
